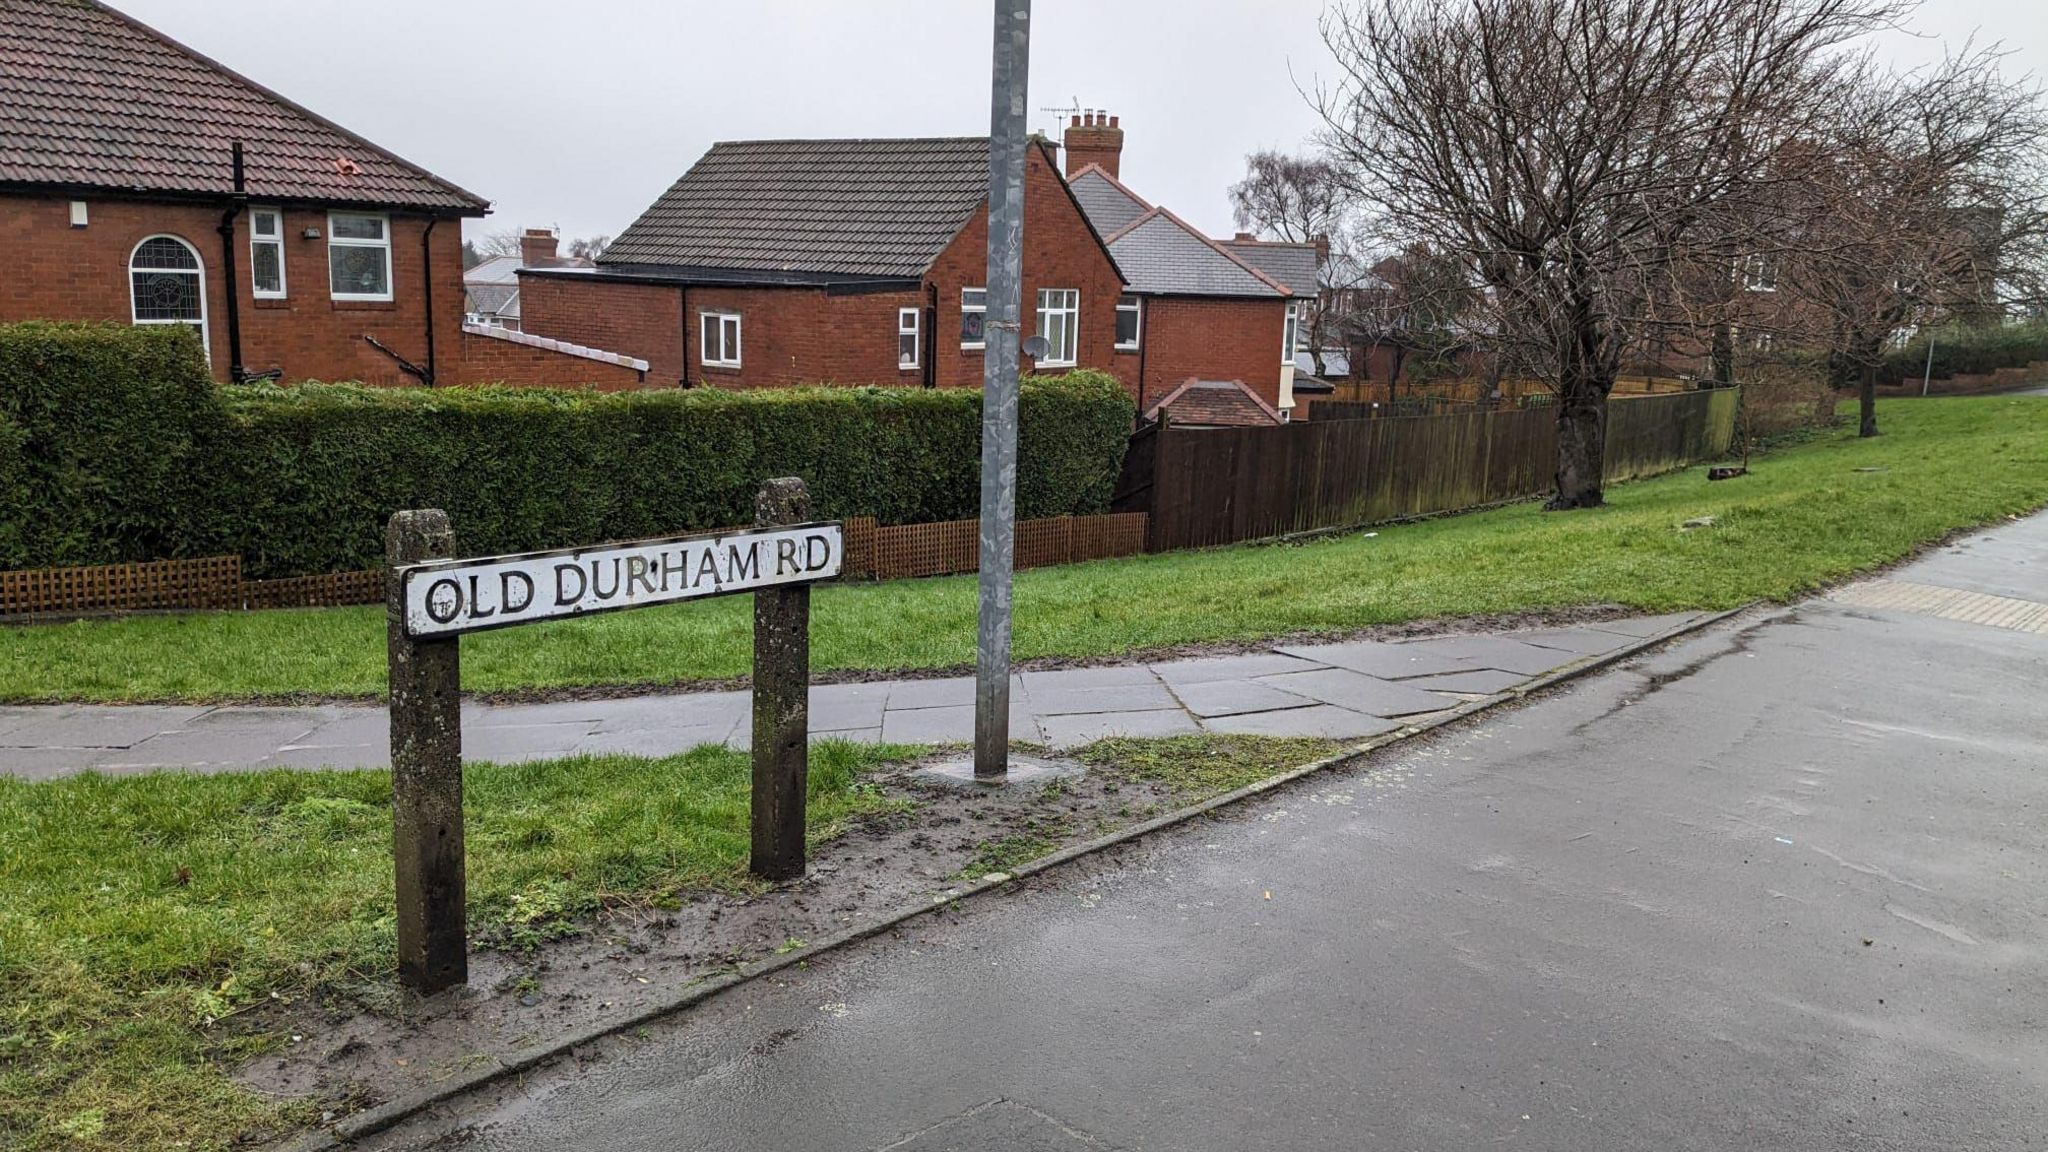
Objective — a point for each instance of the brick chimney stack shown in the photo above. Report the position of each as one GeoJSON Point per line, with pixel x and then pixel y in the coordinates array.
{"type": "Point", "coordinates": [1094, 138]}
{"type": "Point", "coordinates": [537, 247]}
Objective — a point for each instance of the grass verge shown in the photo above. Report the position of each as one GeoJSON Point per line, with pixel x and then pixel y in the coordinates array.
{"type": "Point", "coordinates": [140, 915]}
{"type": "Point", "coordinates": [1809, 515]}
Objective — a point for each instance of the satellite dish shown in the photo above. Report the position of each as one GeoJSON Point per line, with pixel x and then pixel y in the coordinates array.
{"type": "Point", "coordinates": [1036, 347]}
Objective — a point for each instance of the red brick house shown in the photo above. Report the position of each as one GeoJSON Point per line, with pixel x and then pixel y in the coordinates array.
{"type": "Point", "coordinates": [773, 263]}
{"type": "Point", "coordinates": [1196, 308]}
{"type": "Point", "coordinates": [141, 182]}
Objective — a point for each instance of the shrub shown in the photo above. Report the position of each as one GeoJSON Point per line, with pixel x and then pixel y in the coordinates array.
{"type": "Point", "coordinates": [1968, 351]}
{"type": "Point", "coordinates": [301, 480]}
{"type": "Point", "coordinates": [103, 422]}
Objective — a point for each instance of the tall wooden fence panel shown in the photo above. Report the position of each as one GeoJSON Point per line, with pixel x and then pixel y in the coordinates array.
{"type": "Point", "coordinates": [1204, 486]}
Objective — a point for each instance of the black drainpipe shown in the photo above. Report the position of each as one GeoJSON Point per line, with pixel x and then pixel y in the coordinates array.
{"type": "Point", "coordinates": [931, 336]}
{"type": "Point", "coordinates": [231, 278]}
{"type": "Point", "coordinates": [689, 333]}
{"type": "Point", "coordinates": [427, 268]}
{"type": "Point", "coordinates": [1144, 342]}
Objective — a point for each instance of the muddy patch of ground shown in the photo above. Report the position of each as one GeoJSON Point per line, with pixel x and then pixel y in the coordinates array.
{"type": "Point", "coordinates": [375, 1043]}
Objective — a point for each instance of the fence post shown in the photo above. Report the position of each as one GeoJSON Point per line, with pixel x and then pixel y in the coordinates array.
{"type": "Point", "coordinates": [426, 770]}
{"type": "Point", "coordinates": [782, 705]}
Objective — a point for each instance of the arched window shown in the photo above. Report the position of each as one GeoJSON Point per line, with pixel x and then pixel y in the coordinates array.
{"type": "Point", "coordinates": [167, 284]}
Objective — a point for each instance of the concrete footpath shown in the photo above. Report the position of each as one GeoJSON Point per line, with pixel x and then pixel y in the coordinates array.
{"type": "Point", "coordinates": [1781, 885]}
{"type": "Point", "coordinates": [1341, 691]}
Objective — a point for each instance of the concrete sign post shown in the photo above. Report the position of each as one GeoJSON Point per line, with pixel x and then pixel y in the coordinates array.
{"type": "Point", "coordinates": [1007, 142]}
{"type": "Point", "coordinates": [432, 600]}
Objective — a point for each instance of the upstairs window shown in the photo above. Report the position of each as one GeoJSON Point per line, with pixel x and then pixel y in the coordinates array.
{"type": "Point", "coordinates": [359, 257]}
{"type": "Point", "coordinates": [266, 253]}
{"type": "Point", "coordinates": [907, 338]}
{"type": "Point", "coordinates": [1059, 321]}
{"type": "Point", "coordinates": [1128, 322]}
{"type": "Point", "coordinates": [1290, 332]}
{"type": "Point", "coordinates": [719, 333]}
{"type": "Point", "coordinates": [166, 284]}
{"type": "Point", "coordinates": [973, 318]}
{"type": "Point", "coordinates": [1760, 273]}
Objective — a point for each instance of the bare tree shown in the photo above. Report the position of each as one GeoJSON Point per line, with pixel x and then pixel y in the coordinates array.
{"type": "Point", "coordinates": [589, 247]}
{"type": "Point", "coordinates": [498, 244]}
{"type": "Point", "coordinates": [1417, 302]}
{"type": "Point", "coordinates": [1924, 203]}
{"type": "Point", "coordinates": [1304, 200]}
{"type": "Point", "coordinates": [1568, 153]}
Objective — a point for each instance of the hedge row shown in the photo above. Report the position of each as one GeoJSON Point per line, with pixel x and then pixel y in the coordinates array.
{"type": "Point", "coordinates": [1969, 351]}
{"type": "Point", "coordinates": [131, 453]}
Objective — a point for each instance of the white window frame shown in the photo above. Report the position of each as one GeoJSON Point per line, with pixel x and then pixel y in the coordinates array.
{"type": "Point", "coordinates": [981, 309]}
{"type": "Point", "coordinates": [334, 241]}
{"type": "Point", "coordinates": [256, 241]}
{"type": "Point", "coordinates": [1060, 304]}
{"type": "Point", "coordinates": [1136, 307]}
{"type": "Point", "coordinates": [910, 322]}
{"type": "Point", "coordinates": [204, 326]}
{"type": "Point", "coordinates": [1290, 332]}
{"type": "Point", "coordinates": [1760, 273]}
{"type": "Point", "coordinates": [704, 321]}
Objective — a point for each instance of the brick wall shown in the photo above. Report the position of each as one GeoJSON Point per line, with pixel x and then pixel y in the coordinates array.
{"type": "Point", "coordinates": [1212, 339]}
{"type": "Point", "coordinates": [1060, 251]}
{"type": "Point", "coordinates": [57, 272]}
{"type": "Point", "coordinates": [484, 359]}
{"type": "Point", "coordinates": [791, 336]}
{"type": "Point", "coordinates": [644, 321]}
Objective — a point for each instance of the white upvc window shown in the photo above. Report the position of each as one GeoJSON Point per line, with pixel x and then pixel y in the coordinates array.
{"type": "Point", "coordinates": [719, 338]}
{"type": "Point", "coordinates": [1760, 273]}
{"type": "Point", "coordinates": [1290, 333]}
{"type": "Point", "coordinates": [908, 338]}
{"type": "Point", "coordinates": [167, 285]}
{"type": "Point", "coordinates": [1129, 323]}
{"type": "Point", "coordinates": [266, 253]}
{"type": "Point", "coordinates": [1059, 321]}
{"type": "Point", "coordinates": [359, 256]}
{"type": "Point", "coordinates": [973, 318]}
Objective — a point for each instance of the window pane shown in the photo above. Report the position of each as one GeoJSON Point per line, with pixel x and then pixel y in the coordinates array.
{"type": "Point", "coordinates": [267, 267]}
{"type": "Point", "coordinates": [1127, 321]}
{"type": "Point", "coordinates": [731, 332]}
{"type": "Point", "coordinates": [709, 352]}
{"type": "Point", "coordinates": [974, 297]}
{"type": "Point", "coordinates": [264, 223]}
{"type": "Point", "coordinates": [359, 271]}
{"type": "Point", "coordinates": [906, 350]}
{"type": "Point", "coordinates": [973, 327]}
{"type": "Point", "coordinates": [166, 296]}
{"type": "Point", "coordinates": [359, 228]}
{"type": "Point", "coordinates": [164, 252]}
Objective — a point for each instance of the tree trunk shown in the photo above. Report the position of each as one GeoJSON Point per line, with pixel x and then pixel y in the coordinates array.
{"type": "Point", "coordinates": [1581, 448]}
{"type": "Point", "coordinates": [1724, 355]}
{"type": "Point", "coordinates": [1867, 397]}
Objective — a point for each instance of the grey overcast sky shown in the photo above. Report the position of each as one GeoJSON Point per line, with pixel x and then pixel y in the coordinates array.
{"type": "Point", "coordinates": [577, 115]}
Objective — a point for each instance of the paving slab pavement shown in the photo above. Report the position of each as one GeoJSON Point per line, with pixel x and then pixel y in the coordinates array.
{"type": "Point", "coordinates": [1338, 690]}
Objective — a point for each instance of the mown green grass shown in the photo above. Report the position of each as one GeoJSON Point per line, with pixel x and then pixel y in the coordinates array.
{"type": "Point", "coordinates": [139, 916]}
{"type": "Point", "coordinates": [1806, 517]}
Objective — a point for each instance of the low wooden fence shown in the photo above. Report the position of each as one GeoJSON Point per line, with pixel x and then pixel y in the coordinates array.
{"type": "Point", "coordinates": [1204, 487]}
{"type": "Point", "coordinates": [873, 551]}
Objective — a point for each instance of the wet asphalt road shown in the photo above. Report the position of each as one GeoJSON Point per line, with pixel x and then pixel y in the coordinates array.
{"type": "Point", "coordinates": [1782, 886]}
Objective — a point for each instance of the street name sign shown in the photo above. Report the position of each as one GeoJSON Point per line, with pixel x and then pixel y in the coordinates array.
{"type": "Point", "coordinates": [455, 597]}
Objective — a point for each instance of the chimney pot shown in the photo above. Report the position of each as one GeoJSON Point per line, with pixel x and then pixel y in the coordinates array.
{"type": "Point", "coordinates": [1112, 121]}
{"type": "Point", "coordinates": [537, 247]}
{"type": "Point", "coordinates": [1077, 121]}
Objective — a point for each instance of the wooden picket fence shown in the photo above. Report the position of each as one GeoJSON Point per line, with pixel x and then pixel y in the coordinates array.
{"type": "Point", "coordinates": [902, 551]}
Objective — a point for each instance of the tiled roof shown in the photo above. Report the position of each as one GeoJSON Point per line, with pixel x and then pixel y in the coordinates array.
{"type": "Point", "coordinates": [493, 299]}
{"type": "Point", "coordinates": [1109, 205]}
{"type": "Point", "coordinates": [1162, 255]}
{"type": "Point", "coordinates": [1215, 404]}
{"type": "Point", "coordinates": [1292, 265]}
{"type": "Point", "coordinates": [861, 207]}
{"type": "Point", "coordinates": [494, 270]}
{"type": "Point", "coordinates": [92, 99]}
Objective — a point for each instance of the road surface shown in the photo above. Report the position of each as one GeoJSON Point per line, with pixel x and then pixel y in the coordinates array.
{"type": "Point", "coordinates": [1782, 886]}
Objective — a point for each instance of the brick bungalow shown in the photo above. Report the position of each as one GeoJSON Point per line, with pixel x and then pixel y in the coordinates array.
{"type": "Point", "coordinates": [141, 182]}
{"type": "Point", "coordinates": [773, 263]}
{"type": "Point", "coordinates": [1197, 308]}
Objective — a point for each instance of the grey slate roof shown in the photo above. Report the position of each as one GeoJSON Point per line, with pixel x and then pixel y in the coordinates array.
{"type": "Point", "coordinates": [1162, 256]}
{"type": "Point", "coordinates": [1293, 265]}
{"type": "Point", "coordinates": [859, 207]}
{"type": "Point", "coordinates": [492, 299]}
{"type": "Point", "coordinates": [1108, 205]}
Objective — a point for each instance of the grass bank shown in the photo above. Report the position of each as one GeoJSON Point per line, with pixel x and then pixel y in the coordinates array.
{"type": "Point", "coordinates": [1810, 515]}
{"type": "Point", "coordinates": [139, 916]}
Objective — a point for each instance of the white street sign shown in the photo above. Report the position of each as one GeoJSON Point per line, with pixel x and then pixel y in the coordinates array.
{"type": "Point", "coordinates": [452, 597]}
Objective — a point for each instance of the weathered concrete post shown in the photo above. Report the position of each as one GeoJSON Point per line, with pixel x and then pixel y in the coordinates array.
{"type": "Point", "coordinates": [426, 771]}
{"type": "Point", "coordinates": [782, 700]}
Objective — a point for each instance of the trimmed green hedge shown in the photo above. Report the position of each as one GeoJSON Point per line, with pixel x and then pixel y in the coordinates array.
{"type": "Point", "coordinates": [300, 480]}
{"type": "Point", "coordinates": [1969, 351]}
